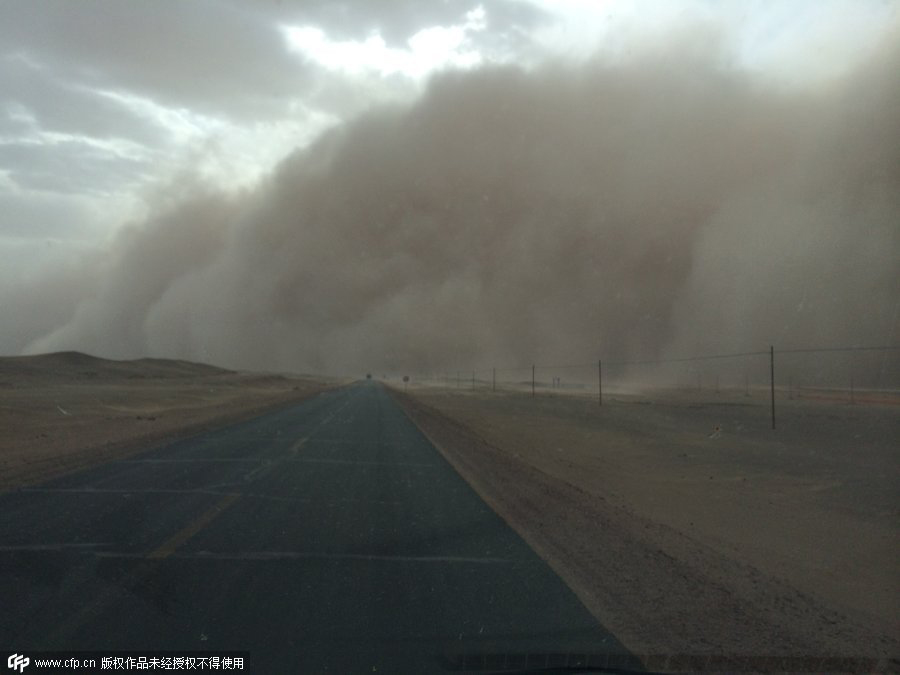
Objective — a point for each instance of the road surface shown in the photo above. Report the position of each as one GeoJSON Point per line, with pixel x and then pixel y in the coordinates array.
{"type": "Point", "coordinates": [330, 535]}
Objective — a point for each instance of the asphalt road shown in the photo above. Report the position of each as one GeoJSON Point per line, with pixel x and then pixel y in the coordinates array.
{"type": "Point", "coordinates": [329, 536]}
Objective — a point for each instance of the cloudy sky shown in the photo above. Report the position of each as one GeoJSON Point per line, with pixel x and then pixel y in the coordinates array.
{"type": "Point", "coordinates": [120, 117]}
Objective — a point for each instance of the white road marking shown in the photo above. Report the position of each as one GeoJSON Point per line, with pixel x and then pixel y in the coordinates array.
{"type": "Point", "coordinates": [313, 460]}
{"type": "Point", "coordinates": [51, 547]}
{"type": "Point", "coordinates": [208, 491]}
{"type": "Point", "coordinates": [187, 460]}
{"type": "Point", "coordinates": [302, 555]}
{"type": "Point", "coordinates": [270, 460]}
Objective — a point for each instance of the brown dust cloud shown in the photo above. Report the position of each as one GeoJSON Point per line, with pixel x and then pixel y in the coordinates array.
{"type": "Point", "coordinates": [633, 208]}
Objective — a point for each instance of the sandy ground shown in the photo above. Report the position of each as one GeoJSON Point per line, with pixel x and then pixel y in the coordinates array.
{"type": "Point", "coordinates": [60, 412]}
{"type": "Point", "coordinates": [685, 523]}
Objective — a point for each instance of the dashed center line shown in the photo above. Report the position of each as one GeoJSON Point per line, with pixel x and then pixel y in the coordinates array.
{"type": "Point", "coordinates": [168, 547]}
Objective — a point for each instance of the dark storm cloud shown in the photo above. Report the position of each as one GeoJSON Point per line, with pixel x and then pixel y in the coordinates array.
{"type": "Point", "coordinates": [34, 99]}
{"type": "Point", "coordinates": [204, 55]}
{"type": "Point", "coordinates": [659, 205]}
{"type": "Point", "coordinates": [46, 131]}
{"type": "Point", "coordinates": [96, 97]}
{"type": "Point", "coordinates": [106, 70]}
{"type": "Point", "coordinates": [103, 70]}
{"type": "Point", "coordinates": [223, 58]}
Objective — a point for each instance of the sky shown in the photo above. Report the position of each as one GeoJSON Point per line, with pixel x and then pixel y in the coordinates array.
{"type": "Point", "coordinates": [416, 184]}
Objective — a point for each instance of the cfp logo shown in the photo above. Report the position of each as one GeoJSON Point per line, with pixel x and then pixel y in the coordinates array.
{"type": "Point", "coordinates": [17, 662]}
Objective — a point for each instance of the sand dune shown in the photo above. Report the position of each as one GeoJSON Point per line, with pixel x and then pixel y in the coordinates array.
{"type": "Point", "coordinates": [26, 370]}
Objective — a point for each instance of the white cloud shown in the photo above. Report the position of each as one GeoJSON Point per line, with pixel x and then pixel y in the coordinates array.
{"type": "Point", "coordinates": [182, 124]}
{"type": "Point", "coordinates": [427, 50]}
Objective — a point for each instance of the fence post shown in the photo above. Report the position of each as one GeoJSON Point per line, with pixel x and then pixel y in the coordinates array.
{"type": "Point", "coordinates": [772, 380]}
{"type": "Point", "coordinates": [600, 382]}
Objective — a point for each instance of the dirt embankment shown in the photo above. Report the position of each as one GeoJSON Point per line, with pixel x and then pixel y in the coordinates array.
{"type": "Point", "coordinates": [65, 411]}
{"type": "Point", "coordinates": [690, 527]}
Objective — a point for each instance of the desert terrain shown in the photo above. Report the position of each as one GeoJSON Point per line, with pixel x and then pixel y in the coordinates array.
{"type": "Point", "coordinates": [680, 519]}
{"type": "Point", "coordinates": [64, 411]}
{"type": "Point", "coordinates": [684, 522]}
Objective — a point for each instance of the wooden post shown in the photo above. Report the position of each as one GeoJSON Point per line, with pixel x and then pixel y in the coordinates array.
{"type": "Point", "coordinates": [772, 380]}
{"type": "Point", "coordinates": [600, 382]}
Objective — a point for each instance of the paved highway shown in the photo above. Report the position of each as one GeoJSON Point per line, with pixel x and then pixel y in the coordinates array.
{"type": "Point", "coordinates": [328, 536]}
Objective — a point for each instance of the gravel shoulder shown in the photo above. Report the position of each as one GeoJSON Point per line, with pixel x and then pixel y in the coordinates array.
{"type": "Point", "coordinates": [689, 526]}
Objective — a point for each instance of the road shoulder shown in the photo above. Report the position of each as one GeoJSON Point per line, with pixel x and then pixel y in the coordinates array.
{"type": "Point", "coordinates": [659, 590]}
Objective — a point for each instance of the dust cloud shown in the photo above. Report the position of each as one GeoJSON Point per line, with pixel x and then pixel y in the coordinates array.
{"type": "Point", "coordinates": [655, 205]}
